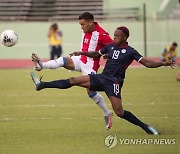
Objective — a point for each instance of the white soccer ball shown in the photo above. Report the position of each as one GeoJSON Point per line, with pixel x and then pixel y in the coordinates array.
{"type": "Point", "coordinates": [9, 38]}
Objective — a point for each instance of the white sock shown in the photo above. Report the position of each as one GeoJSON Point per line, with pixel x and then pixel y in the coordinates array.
{"type": "Point", "coordinates": [100, 102]}
{"type": "Point", "coordinates": [53, 64]}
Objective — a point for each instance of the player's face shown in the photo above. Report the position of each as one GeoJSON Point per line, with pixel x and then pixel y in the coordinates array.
{"type": "Point", "coordinates": [86, 25]}
{"type": "Point", "coordinates": [119, 37]}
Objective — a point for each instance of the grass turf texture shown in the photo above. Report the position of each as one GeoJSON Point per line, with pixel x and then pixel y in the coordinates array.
{"type": "Point", "coordinates": [67, 121]}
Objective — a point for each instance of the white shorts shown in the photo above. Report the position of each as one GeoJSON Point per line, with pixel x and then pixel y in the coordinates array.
{"type": "Point", "coordinates": [81, 67]}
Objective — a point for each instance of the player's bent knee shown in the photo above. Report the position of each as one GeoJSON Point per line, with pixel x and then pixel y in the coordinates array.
{"type": "Point", "coordinates": [119, 113]}
{"type": "Point", "coordinates": [73, 80]}
{"type": "Point", "coordinates": [68, 63]}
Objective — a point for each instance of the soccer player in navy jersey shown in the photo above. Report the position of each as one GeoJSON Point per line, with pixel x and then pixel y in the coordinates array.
{"type": "Point", "coordinates": [119, 57]}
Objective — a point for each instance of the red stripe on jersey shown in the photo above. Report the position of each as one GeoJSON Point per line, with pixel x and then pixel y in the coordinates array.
{"type": "Point", "coordinates": [94, 41]}
{"type": "Point", "coordinates": [85, 46]}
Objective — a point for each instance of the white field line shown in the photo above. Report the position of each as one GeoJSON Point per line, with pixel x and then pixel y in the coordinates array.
{"type": "Point", "coordinates": [76, 105]}
{"type": "Point", "coordinates": [41, 105]}
{"type": "Point", "coordinates": [70, 118]}
{"type": "Point", "coordinates": [43, 118]}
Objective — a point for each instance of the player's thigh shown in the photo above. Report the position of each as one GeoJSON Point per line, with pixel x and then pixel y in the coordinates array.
{"type": "Point", "coordinates": [82, 81]}
{"type": "Point", "coordinates": [87, 68]}
{"type": "Point", "coordinates": [117, 105]}
{"type": "Point", "coordinates": [113, 91]}
{"type": "Point", "coordinates": [73, 63]}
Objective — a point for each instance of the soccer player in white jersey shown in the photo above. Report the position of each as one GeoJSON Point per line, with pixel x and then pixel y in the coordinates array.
{"type": "Point", "coordinates": [94, 38]}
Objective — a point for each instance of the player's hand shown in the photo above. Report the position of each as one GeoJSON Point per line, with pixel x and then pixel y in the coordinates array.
{"type": "Point", "coordinates": [169, 63]}
{"type": "Point", "coordinates": [105, 56]}
{"type": "Point", "coordinates": [178, 77]}
{"type": "Point", "coordinates": [76, 53]}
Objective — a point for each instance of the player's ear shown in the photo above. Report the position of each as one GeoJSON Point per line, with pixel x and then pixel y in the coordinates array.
{"type": "Point", "coordinates": [90, 22]}
{"type": "Point", "coordinates": [125, 37]}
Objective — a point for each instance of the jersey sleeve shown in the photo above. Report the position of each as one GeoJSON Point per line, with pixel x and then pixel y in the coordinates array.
{"type": "Point", "coordinates": [137, 56]}
{"type": "Point", "coordinates": [103, 50]}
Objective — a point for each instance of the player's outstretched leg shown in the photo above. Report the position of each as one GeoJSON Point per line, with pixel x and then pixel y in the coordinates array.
{"type": "Point", "coordinates": [117, 106]}
{"type": "Point", "coordinates": [82, 81]}
{"type": "Point", "coordinates": [60, 84]}
{"type": "Point", "coordinates": [134, 120]}
{"type": "Point", "coordinates": [52, 64]}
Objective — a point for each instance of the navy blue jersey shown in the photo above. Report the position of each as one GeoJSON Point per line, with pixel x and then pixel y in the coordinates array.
{"type": "Point", "coordinates": [118, 61]}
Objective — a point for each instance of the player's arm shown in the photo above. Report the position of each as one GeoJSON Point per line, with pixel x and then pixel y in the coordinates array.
{"type": "Point", "coordinates": [153, 64]}
{"type": "Point", "coordinates": [92, 54]}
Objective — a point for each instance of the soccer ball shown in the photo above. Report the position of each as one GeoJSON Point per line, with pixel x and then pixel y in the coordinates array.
{"type": "Point", "coordinates": [9, 38]}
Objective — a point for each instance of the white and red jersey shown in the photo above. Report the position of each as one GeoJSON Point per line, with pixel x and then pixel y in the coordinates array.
{"type": "Point", "coordinates": [94, 41]}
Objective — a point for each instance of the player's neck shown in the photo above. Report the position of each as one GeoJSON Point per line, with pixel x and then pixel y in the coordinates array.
{"type": "Point", "coordinates": [123, 44]}
{"type": "Point", "coordinates": [93, 27]}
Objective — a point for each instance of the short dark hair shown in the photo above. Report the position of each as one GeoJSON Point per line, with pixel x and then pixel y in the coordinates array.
{"type": "Point", "coordinates": [125, 30]}
{"type": "Point", "coordinates": [174, 44]}
{"type": "Point", "coordinates": [86, 16]}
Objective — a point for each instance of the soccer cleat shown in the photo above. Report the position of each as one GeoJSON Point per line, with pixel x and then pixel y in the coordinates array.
{"type": "Point", "coordinates": [151, 130]}
{"type": "Point", "coordinates": [108, 120]}
{"type": "Point", "coordinates": [37, 62]}
{"type": "Point", "coordinates": [38, 83]}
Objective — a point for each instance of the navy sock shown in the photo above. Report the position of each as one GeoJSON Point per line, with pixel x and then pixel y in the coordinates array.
{"type": "Point", "coordinates": [61, 84]}
{"type": "Point", "coordinates": [132, 119]}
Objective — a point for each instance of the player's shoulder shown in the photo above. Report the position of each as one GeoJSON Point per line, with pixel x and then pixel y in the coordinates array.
{"type": "Point", "coordinates": [130, 48]}
{"type": "Point", "coordinates": [101, 31]}
{"type": "Point", "coordinates": [110, 46]}
{"type": "Point", "coordinates": [132, 51]}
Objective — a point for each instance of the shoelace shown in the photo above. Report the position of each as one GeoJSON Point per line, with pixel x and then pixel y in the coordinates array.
{"type": "Point", "coordinates": [40, 78]}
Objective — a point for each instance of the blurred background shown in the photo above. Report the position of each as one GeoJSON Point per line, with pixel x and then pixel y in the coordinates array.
{"type": "Point", "coordinates": [153, 24]}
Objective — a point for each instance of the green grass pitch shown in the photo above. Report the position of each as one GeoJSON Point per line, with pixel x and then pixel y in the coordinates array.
{"type": "Point", "coordinates": [56, 121]}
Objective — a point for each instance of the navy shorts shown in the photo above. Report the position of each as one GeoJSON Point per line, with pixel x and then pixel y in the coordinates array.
{"type": "Point", "coordinates": [100, 83]}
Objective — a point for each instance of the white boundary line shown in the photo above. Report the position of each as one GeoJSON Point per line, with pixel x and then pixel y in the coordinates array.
{"type": "Point", "coordinates": [78, 105]}
{"type": "Point", "coordinates": [70, 118]}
